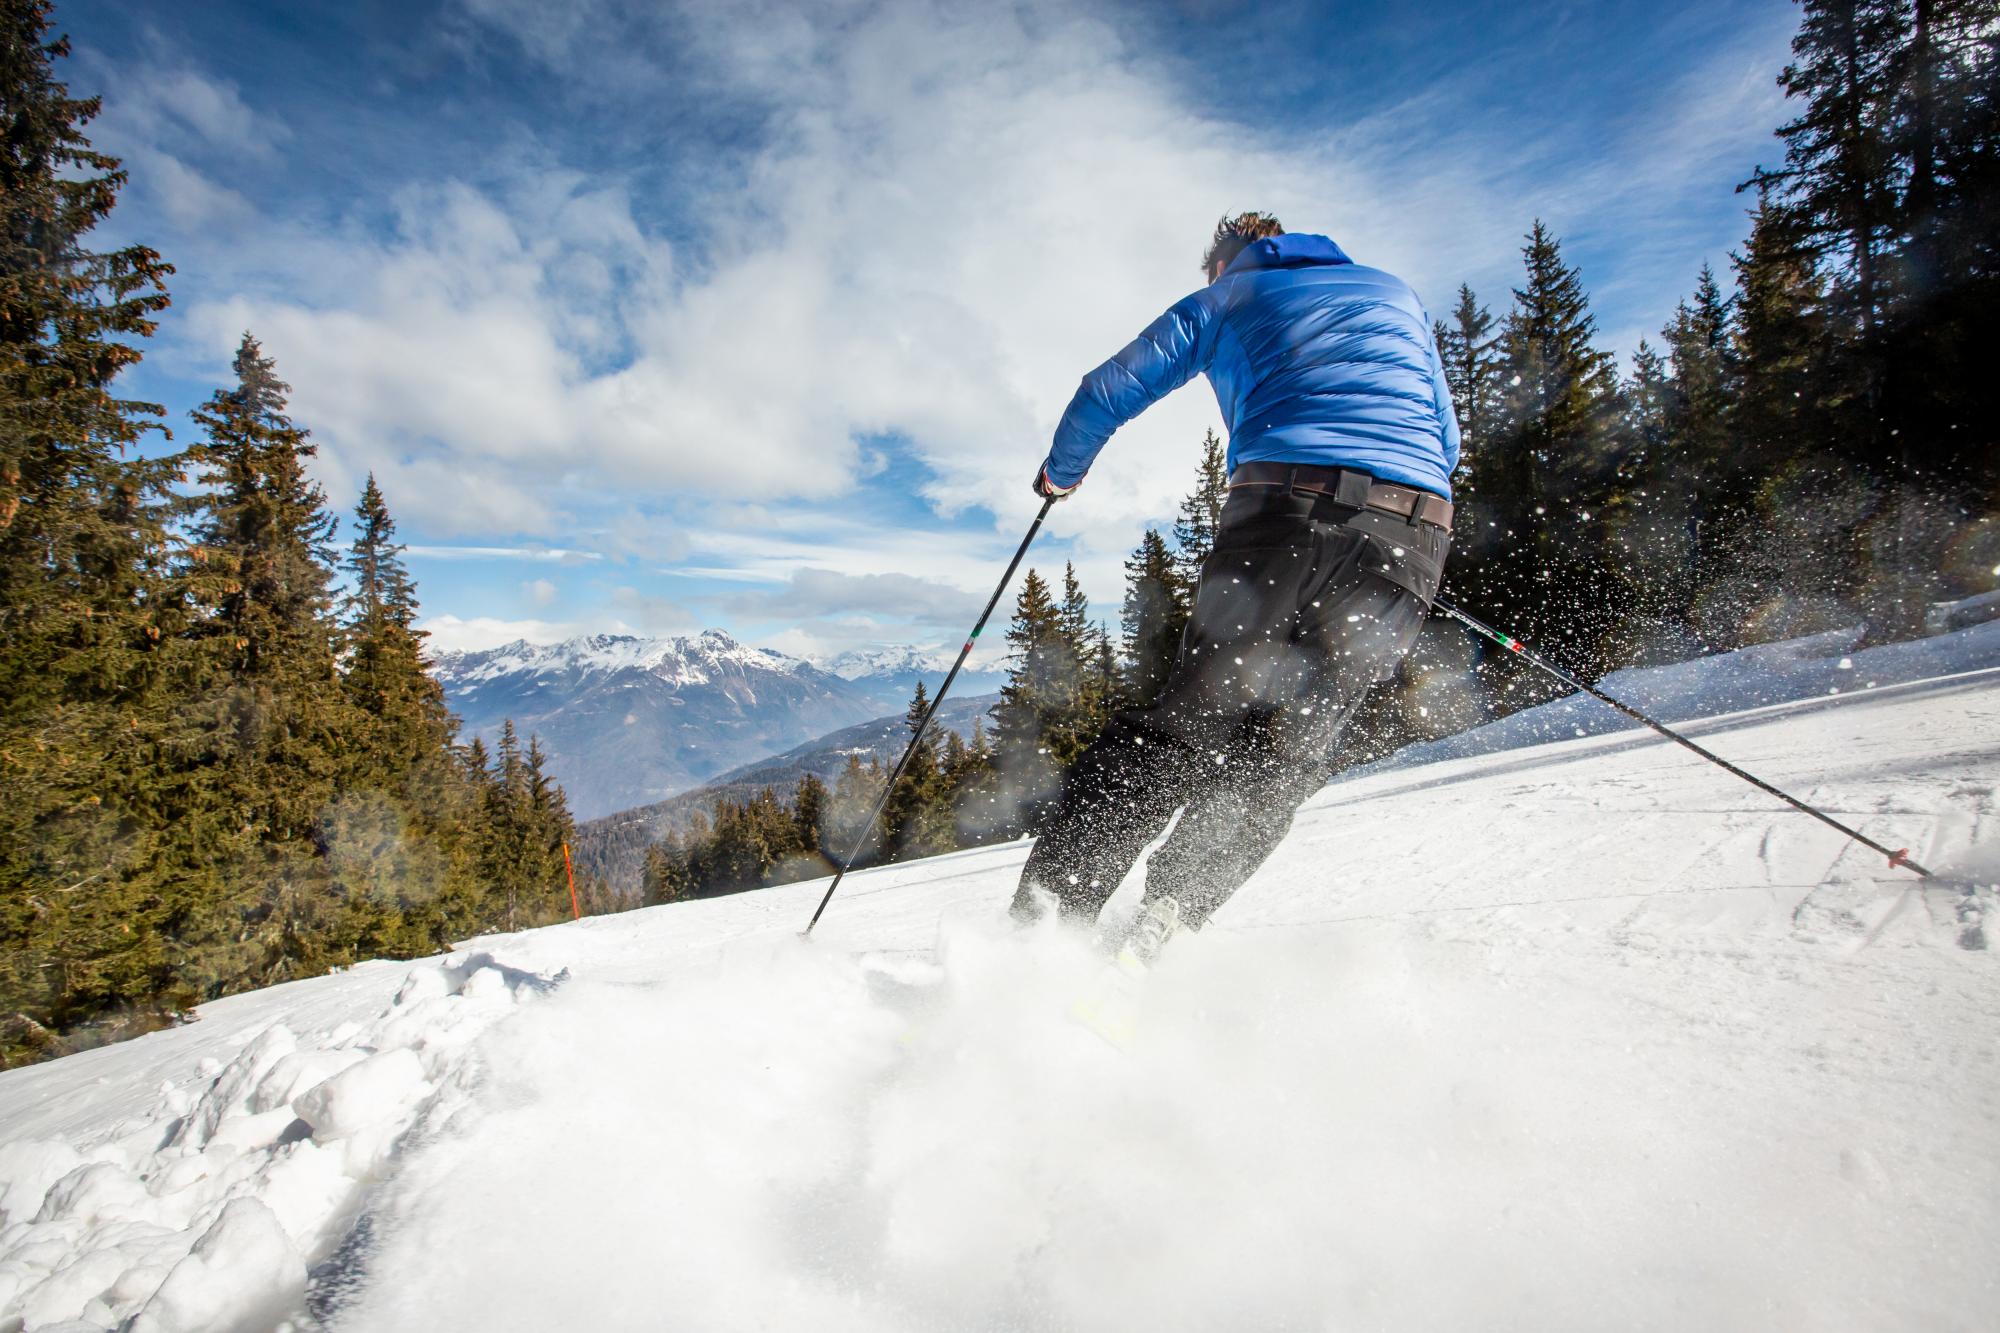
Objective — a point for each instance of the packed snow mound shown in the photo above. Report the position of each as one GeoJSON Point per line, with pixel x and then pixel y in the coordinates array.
{"type": "Point", "coordinates": [206, 1213]}
{"type": "Point", "coordinates": [1584, 1036]}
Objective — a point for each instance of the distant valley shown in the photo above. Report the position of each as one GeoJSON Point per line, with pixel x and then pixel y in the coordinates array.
{"type": "Point", "coordinates": [629, 721]}
{"type": "Point", "coordinates": [614, 847]}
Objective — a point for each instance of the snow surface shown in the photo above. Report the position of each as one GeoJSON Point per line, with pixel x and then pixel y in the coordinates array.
{"type": "Point", "coordinates": [1587, 1035]}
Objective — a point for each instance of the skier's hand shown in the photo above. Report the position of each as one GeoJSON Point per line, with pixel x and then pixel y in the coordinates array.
{"type": "Point", "coordinates": [1048, 490]}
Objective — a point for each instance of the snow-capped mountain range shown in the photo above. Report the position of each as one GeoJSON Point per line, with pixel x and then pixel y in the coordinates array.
{"type": "Point", "coordinates": [905, 664]}
{"type": "Point", "coordinates": [628, 720]}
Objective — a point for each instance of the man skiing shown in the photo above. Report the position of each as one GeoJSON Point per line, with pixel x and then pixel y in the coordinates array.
{"type": "Point", "coordinates": [1332, 542]}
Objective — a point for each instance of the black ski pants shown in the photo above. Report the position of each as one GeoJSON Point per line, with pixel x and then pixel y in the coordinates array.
{"type": "Point", "coordinates": [1301, 607]}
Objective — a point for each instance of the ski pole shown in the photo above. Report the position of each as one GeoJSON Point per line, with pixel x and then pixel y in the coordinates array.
{"type": "Point", "coordinates": [888, 788]}
{"type": "Point", "coordinates": [1900, 857]}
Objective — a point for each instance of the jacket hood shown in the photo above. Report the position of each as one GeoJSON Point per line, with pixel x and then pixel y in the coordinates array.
{"type": "Point", "coordinates": [1292, 250]}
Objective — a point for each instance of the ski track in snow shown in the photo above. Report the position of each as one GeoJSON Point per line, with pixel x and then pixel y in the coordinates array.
{"type": "Point", "coordinates": [1579, 1037]}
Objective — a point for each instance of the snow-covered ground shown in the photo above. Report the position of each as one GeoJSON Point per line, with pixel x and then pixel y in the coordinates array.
{"type": "Point", "coordinates": [1585, 1035]}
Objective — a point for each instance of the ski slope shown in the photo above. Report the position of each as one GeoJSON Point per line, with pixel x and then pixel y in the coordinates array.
{"type": "Point", "coordinates": [1578, 1036]}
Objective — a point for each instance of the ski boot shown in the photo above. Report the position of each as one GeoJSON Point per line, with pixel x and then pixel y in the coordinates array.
{"type": "Point", "coordinates": [1156, 923]}
{"type": "Point", "coordinates": [1110, 1008]}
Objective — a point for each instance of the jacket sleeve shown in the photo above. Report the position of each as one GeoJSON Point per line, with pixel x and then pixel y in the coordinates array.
{"type": "Point", "coordinates": [1173, 350]}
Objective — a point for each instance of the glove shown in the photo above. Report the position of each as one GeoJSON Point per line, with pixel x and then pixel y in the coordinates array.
{"type": "Point", "coordinates": [1048, 490]}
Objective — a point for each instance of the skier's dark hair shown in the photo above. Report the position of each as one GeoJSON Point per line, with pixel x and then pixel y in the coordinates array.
{"type": "Point", "coordinates": [1234, 234]}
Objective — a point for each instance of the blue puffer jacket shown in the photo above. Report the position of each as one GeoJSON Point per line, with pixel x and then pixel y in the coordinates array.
{"type": "Point", "coordinates": [1314, 359]}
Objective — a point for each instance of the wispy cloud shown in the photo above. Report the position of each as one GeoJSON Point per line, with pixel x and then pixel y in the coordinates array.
{"type": "Point", "coordinates": [554, 555]}
{"type": "Point", "coordinates": [450, 633]}
{"type": "Point", "coordinates": [815, 593]}
{"type": "Point", "coordinates": [653, 614]}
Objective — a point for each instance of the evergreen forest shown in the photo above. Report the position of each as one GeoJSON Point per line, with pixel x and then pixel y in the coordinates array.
{"type": "Point", "coordinates": [225, 763]}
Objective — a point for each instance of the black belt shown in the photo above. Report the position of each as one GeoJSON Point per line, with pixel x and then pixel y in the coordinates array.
{"type": "Point", "coordinates": [1357, 490]}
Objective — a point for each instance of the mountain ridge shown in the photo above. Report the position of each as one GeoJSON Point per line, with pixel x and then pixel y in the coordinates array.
{"type": "Point", "coordinates": [629, 720]}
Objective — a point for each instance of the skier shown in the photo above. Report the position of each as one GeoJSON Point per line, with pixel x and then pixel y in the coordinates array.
{"type": "Point", "coordinates": [1332, 542]}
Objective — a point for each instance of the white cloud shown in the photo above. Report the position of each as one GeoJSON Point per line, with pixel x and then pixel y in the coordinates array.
{"type": "Point", "coordinates": [177, 130]}
{"type": "Point", "coordinates": [187, 196]}
{"type": "Point", "coordinates": [541, 592]}
{"type": "Point", "coordinates": [813, 593]}
{"type": "Point", "coordinates": [210, 109]}
{"type": "Point", "coordinates": [829, 638]}
{"type": "Point", "coordinates": [548, 554]}
{"type": "Point", "coordinates": [451, 633]}
{"type": "Point", "coordinates": [180, 107]}
{"type": "Point", "coordinates": [652, 614]}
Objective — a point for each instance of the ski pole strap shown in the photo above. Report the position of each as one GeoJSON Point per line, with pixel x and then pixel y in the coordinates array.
{"type": "Point", "coordinates": [1896, 858]}
{"type": "Point", "coordinates": [923, 725]}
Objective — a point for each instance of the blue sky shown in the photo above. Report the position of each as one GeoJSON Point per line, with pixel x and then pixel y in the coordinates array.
{"type": "Point", "coordinates": [753, 315]}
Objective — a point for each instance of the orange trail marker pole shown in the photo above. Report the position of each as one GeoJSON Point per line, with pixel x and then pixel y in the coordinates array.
{"type": "Point", "coordinates": [575, 907]}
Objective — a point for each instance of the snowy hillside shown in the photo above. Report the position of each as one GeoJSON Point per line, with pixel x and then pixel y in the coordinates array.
{"type": "Point", "coordinates": [1579, 1036]}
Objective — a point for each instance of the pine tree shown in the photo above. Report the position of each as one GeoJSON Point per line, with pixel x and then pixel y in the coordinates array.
{"type": "Point", "coordinates": [386, 674]}
{"type": "Point", "coordinates": [551, 826]}
{"type": "Point", "coordinates": [1698, 497]}
{"type": "Point", "coordinates": [1939, 399]}
{"type": "Point", "coordinates": [750, 844]}
{"type": "Point", "coordinates": [506, 836]}
{"type": "Point", "coordinates": [271, 640]}
{"type": "Point", "coordinates": [1648, 407]}
{"type": "Point", "coordinates": [954, 761]}
{"type": "Point", "coordinates": [916, 821]}
{"type": "Point", "coordinates": [1780, 342]}
{"type": "Point", "coordinates": [84, 609]}
{"type": "Point", "coordinates": [1837, 193]}
{"type": "Point", "coordinates": [523, 823]}
{"type": "Point", "coordinates": [1107, 681]}
{"type": "Point", "coordinates": [1152, 618]}
{"type": "Point", "coordinates": [1466, 346]}
{"type": "Point", "coordinates": [1040, 676]}
{"type": "Point", "coordinates": [855, 792]}
{"type": "Point", "coordinates": [1074, 706]}
{"type": "Point", "coordinates": [980, 812]}
{"type": "Point", "coordinates": [1034, 640]}
{"type": "Point", "coordinates": [1557, 384]}
{"type": "Point", "coordinates": [397, 755]}
{"type": "Point", "coordinates": [1532, 544]}
{"type": "Point", "coordinates": [668, 875]}
{"type": "Point", "coordinates": [1093, 691]}
{"type": "Point", "coordinates": [809, 814]}
{"type": "Point", "coordinates": [1698, 347]}
{"type": "Point", "coordinates": [1201, 511]}
{"type": "Point", "coordinates": [257, 749]}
